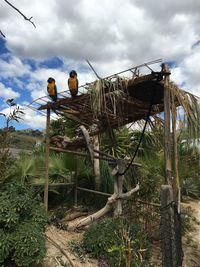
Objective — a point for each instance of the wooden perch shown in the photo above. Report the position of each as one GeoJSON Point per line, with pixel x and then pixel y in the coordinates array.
{"type": "Point", "coordinates": [108, 207]}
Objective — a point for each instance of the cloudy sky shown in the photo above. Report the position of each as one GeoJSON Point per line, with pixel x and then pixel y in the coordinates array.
{"type": "Point", "coordinates": [112, 34]}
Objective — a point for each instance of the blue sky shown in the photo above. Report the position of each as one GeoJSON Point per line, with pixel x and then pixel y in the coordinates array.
{"type": "Point", "coordinates": [113, 35]}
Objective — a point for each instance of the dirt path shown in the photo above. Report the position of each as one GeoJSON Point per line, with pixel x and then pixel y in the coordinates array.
{"type": "Point", "coordinates": [55, 257]}
{"type": "Point", "coordinates": [191, 243]}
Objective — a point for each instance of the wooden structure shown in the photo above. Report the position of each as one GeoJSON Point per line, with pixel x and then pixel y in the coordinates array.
{"type": "Point", "coordinates": [113, 102]}
{"type": "Point", "coordinates": [124, 101]}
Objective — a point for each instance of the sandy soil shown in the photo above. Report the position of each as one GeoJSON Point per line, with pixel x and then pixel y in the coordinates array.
{"type": "Point", "coordinates": [191, 243]}
{"type": "Point", "coordinates": [55, 258]}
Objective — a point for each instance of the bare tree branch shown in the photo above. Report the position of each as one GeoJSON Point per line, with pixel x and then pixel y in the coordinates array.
{"type": "Point", "coordinates": [2, 34]}
{"type": "Point", "coordinates": [108, 207]}
{"type": "Point", "coordinates": [28, 19]}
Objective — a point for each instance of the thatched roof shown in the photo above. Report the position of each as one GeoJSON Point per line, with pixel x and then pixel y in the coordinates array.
{"type": "Point", "coordinates": [111, 104]}
{"type": "Point", "coordinates": [127, 103]}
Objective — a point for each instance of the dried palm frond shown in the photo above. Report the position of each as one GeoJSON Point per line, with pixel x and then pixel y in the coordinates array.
{"type": "Point", "coordinates": [106, 95]}
{"type": "Point", "coordinates": [191, 107]}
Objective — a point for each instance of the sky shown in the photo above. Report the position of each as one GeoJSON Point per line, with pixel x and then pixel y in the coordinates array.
{"type": "Point", "coordinates": [112, 34]}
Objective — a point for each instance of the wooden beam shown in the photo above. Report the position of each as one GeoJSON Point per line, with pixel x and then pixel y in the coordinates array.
{"type": "Point", "coordinates": [46, 186]}
{"type": "Point", "coordinates": [54, 184]}
{"type": "Point", "coordinates": [79, 153]}
{"type": "Point", "coordinates": [110, 159]}
{"type": "Point", "coordinates": [93, 191]}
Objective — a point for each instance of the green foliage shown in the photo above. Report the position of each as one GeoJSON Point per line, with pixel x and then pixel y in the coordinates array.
{"type": "Point", "coordinates": [6, 159]}
{"type": "Point", "coordinates": [66, 125]}
{"type": "Point", "coordinates": [29, 244]}
{"type": "Point", "coordinates": [119, 144]}
{"type": "Point", "coordinates": [22, 222]}
{"type": "Point", "coordinates": [106, 177]}
{"type": "Point", "coordinates": [109, 239]}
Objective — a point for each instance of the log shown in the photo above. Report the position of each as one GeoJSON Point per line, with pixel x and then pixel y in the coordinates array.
{"type": "Point", "coordinates": [108, 207]}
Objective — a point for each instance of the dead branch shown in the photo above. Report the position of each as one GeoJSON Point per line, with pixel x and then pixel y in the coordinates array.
{"type": "Point", "coordinates": [2, 34]}
{"type": "Point", "coordinates": [87, 139]}
{"type": "Point", "coordinates": [93, 217]}
{"type": "Point", "coordinates": [28, 19]}
{"type": "Point", "coordinates": [71, 217]}
{"type": "Point", "coordinates": [129, 193]}
{"type": "Point", "coordinates": [61, 250]}
{"type": "Point", "coordinates": [108, 207]}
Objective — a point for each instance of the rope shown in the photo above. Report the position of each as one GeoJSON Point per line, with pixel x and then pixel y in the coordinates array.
{"type": "Point", "coordinates": [141, 137]}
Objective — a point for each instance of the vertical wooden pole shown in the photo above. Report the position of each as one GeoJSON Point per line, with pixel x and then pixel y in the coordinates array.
{"type": "Point", "coordinates": [118, 187]}
{"type": "Point", "coordinates": [176, 183]}
{"type": "Point", "coordinates": [96, 164]}
{"type": "Point", "coordinates": [167, 137]}
{"type": "Point", "coordinates": [75, 184]}
{"type": "Point", "coordinates": [46, 186]}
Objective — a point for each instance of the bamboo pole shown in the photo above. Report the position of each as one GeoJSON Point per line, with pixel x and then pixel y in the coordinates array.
{"type": "Point", "coordinates": [167, 143]}
{"type": "Point", "coordinates": [46, 186]}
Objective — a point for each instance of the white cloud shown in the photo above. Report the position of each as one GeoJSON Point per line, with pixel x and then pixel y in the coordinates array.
{"type": "Point", "coordinates": [112, 35]}
{"type": "Point", "coordinates": [7, 92]}
{"type": "Point", "coordinates": [33, 119]}
{"type": "Point", "coordinates": [12, 66]}
{"type": "Point", "coordinates": [187, 72]}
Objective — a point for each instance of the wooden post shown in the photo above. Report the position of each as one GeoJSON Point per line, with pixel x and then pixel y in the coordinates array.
{"type": "Point", "coordinates": [176, 183]}
{"type": "Point", "coordinates": [118, 186]}
{"type": "Point", "coordinates": [46, 186]}
{"type": "Point", "coordinates": [96, 163]}
{"type": "Point", "coordinates": [167, 138]}
{"type": "Point", "coordinates": [75, 184]}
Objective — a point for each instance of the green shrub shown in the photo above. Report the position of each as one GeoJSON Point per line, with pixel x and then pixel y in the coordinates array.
{"type": "Point", "coordinates": [109, 238]}
{"type": "Point", "coordinates": [22, 222]}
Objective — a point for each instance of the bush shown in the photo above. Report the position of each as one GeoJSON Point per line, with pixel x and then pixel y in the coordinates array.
{"type": "Point", "coordinates": [22, 222]}
{"type": "Point", "coordinates": [109, 239]}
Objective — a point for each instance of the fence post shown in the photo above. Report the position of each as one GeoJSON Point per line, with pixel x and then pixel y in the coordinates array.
{"type": "Point", "coordinates": [167, 138]}
{"type": "Point", "coordinates": [170, 230]}
{"type": "Point", "coordinates": [118, 186]}
{"type": "Point", "coordinates": [75, 184]}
